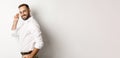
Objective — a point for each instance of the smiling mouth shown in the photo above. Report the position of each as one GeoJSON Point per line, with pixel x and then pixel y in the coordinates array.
{"type": "Point", "coordinates": [23, 15]}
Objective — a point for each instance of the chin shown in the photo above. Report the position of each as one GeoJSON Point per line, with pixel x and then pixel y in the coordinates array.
{"type": "Point", "coordinates": [24, 18]}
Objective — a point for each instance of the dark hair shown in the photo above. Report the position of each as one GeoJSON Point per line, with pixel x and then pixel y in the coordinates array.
{"type": "Point", "coordinates": [23, 5]}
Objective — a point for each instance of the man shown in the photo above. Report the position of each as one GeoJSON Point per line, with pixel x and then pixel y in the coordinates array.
{"type": "Point", "coordinates": [28, 32]}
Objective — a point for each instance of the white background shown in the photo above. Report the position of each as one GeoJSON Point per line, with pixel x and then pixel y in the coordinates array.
{"type": "Point", "coordinates": [70, 28]}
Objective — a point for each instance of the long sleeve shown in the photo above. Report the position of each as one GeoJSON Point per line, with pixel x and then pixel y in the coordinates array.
{"type": "Point", "coordinates": [14, 33]}
{"type": "Point", "coordinates": [36, 33]}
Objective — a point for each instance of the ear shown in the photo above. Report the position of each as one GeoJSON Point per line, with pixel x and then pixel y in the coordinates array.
{"type": "Point", "coordinates": [29, 10]}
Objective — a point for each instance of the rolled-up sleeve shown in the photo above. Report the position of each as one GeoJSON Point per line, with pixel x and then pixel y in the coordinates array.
{"type": "Point", "coordinates": [14, 33]}
{"type": "Point", "coordinates": [36, 33]}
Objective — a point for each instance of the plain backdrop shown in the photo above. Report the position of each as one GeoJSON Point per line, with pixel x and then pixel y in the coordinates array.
{"type": "Point", "coordinates": [70, 28]}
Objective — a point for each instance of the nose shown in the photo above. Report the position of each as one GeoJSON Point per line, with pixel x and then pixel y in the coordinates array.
{"type": "Point", "coordinates": [22, 13]}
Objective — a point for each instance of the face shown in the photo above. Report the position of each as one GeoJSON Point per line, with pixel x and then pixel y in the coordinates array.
{"type": "Point", "coordinates": [24, 12]}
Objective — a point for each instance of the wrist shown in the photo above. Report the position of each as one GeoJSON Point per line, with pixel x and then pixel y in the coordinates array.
{"type": "Point", "coordinates": [15, 21]}
{"type": "Point", "coordinates": [31, 55]}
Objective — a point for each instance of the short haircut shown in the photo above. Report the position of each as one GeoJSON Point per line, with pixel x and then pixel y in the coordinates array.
{"type": "Point", "coordinates": [23, 5]}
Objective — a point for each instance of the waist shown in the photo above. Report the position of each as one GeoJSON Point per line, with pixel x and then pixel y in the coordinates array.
{"type": "Point", "coordinates": [24, 53]}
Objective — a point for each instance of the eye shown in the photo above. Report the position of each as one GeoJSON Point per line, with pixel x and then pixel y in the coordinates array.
{"type": "Point", "coordinates": [20, 12]}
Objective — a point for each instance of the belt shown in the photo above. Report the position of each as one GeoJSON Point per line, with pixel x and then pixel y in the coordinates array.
{"type": "Point", "coordinates": [24, 53]}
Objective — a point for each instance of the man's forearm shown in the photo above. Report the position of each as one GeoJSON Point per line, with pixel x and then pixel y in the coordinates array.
{"type": "Point", "coordinates": [15, 21]}
{"type": "Point", "coordinates": [14, 25]}
{"type": "Point", "coordinates": [34, 52]}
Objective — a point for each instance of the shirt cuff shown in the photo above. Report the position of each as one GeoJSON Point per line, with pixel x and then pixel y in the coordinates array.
{"type": "Point", "coordinates": [39, 45]}
{"type": "Point", "coordinates": [14, 33]}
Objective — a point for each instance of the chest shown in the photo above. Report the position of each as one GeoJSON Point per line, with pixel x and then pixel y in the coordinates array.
{"type": "Point", "coordinates": [24, 29]}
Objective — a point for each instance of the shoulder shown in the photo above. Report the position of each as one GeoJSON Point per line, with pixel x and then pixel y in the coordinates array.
{"type": "Point", "coordinates": [34, 24]}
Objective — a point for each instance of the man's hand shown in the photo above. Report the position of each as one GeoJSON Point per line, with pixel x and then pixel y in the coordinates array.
{"type": "Point", "coordinates": [28, 56]}
{"type": "Point", "coordinates": [16, 17]}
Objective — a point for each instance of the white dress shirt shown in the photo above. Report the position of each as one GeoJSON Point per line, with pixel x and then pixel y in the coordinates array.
{"type": "Point", "coordinates": [29, 34]}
